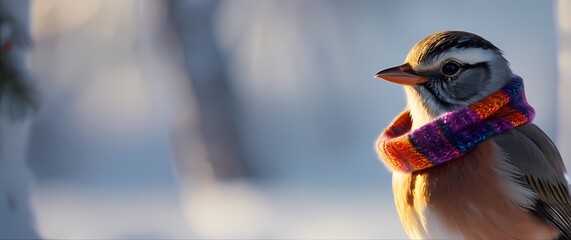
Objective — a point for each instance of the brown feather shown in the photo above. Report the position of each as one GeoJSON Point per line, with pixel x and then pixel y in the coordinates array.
{"type": "Point", "coordinates": [469, 199]}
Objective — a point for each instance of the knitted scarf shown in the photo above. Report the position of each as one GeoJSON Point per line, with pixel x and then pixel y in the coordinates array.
{"type": "Point", "coordinates": [453, 134]}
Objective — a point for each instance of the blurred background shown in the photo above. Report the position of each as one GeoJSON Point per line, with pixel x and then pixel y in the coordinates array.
{"type": "Point", "coordinates": [244, 119]}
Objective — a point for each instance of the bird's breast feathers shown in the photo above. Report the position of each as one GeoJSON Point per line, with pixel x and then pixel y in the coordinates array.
{"type": "Point", "coordinates": [475, 197]}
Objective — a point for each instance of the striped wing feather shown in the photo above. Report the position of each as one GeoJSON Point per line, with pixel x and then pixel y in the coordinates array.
{"type": "Point", "coordinates": [532, 152]}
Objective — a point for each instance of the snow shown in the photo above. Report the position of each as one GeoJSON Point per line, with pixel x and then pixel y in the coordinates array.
{"type": "Point", "coordinates": [229, 211]}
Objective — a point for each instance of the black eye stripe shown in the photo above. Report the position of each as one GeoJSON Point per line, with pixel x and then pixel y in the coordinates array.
{"type": "Point", "coordinates": [449, 71]}
{"type": "Point", "coordinates": [436, 87]}
{"type": "Point", "coordinates": [475, 65]}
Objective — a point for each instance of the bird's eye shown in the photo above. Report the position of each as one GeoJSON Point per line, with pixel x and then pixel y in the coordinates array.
{"type": "Point", "coordinates": [450, 68]}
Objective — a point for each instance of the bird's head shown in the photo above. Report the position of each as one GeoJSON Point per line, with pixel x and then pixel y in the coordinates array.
{"type": "Point", "coordinates": [448, 71]}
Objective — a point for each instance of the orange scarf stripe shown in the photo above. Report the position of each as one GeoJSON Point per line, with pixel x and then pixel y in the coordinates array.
{"type": "Point", "coordinates": [402, 146]}
{"type": "Point", "coordinates": [454, 133]}
{"type": "Point", "coordinates": [490, 104]}
{"type": "Point", "coordinates": [515, 117]}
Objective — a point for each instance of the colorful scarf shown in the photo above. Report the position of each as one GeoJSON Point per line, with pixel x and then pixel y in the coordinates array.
{"type": "Point", "coordinates": [453, 134]}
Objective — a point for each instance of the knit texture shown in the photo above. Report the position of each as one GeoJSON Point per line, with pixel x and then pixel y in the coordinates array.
{"type": "Point", "coordinates": [453, 134]}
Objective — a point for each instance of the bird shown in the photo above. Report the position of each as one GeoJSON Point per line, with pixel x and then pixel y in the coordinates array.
{"type": "Point", "coordinates": [466, 160]}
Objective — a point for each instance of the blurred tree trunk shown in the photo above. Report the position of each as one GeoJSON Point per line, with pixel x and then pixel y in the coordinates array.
{"type": "Point", "coordinates": [564, 31]}
{"type": "Point", "coordinates": [16, 218]}
{"type": "Point", "coordinates": [193, 23]}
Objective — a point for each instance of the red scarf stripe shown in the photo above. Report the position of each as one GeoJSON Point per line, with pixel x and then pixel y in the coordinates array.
{"type": "Point", "coordinates": [452, 134]}
{"type": "Point", "coordinates": [410, 158]}
{"type": "Point", "coordinates": [489, 105]}
{"type": "Point", "coordinates": [514, 116]}
{"type": "Point", "coordinates": [402, 146]}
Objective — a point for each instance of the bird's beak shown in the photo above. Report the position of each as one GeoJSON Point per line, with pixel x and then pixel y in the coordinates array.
{"type": "Point", "coordinates": [402, 74]}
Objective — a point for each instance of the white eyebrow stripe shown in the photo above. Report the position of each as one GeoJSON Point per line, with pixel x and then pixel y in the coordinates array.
{"type": "Point", "coordinates": [462, 55]}
{"type": "Point", "coordinates": [469, 55]}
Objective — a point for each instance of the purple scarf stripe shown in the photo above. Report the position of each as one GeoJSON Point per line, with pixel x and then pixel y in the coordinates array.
{"type": "Point", "coordinates": [432, 138]}
{"type": "Point", "coordinates": [459, 119]}
{"type": "Point", "coordinates": [453, 134]}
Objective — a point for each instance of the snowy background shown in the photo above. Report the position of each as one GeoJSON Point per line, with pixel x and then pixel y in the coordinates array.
{"type": "Point", "coordinates": [246, 119]}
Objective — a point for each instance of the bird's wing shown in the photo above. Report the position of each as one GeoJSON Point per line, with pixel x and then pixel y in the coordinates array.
{"type": "Point", "coordinates": [543, 171]}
